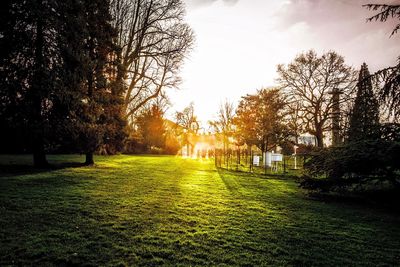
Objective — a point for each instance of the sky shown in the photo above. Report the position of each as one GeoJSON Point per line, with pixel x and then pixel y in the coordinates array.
{"type": "Point", "coordinates": [239, 44]}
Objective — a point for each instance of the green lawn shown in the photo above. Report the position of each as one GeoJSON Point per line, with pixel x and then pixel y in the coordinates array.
{"type": "Point", "coordinates": [145, 210]}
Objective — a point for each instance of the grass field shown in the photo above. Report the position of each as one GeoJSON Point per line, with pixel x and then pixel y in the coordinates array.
{"type": "Point", "coordinates": [145, 210]}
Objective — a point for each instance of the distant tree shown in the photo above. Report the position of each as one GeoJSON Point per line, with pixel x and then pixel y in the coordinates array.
{"type": "Point", "coordinates": [294, 120]}
{"type": "Point", "coordinates": [187, 120]}
{"type": "Point", "coordinates": [150, 125]}
{"type": "Point", "coordinates": [364, 118]}
{"type": "Point", "coordinates": [223, 124]}
{"type": "Point", "coordinates": [190, 126]}
{"type": "Point", "coordinates": [309, 81]}
{"type": "Point", "coordinates": [390, 76]}
{"type": "Point", "coordinates": [260, 119]}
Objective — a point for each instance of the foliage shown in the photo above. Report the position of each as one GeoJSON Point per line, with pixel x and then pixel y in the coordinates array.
{"type": "Point", "coordinates": [309, 81]}
{"type": "Point", "coordinates": [150, 125]}
{"type": "Point", "coordinates": [390, 76]}
{"type": "Point", "coordinates": [354, 162]}
{"type": "Point", "coordinates": [364, 118]}
{"type": "Point", "coordinates": [29, 67]}
{"type": "Point", "coordinates": [57, 79]}
{"type": "Point", "coordinates": [260, 119]}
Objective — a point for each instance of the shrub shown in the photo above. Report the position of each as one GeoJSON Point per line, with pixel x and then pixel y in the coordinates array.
{"type": "Point", "coordinates": [355, 162]}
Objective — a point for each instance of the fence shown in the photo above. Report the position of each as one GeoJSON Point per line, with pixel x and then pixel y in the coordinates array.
{"type": "Point", "coordinates": [246, 160]}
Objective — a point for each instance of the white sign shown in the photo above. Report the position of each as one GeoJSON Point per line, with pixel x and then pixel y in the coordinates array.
{"type": "Point", "coordinates": [277, 157]}
{"type": "Point", "coordinates": [256, 160]}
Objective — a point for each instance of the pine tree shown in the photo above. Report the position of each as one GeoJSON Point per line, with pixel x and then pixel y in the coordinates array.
{"type": "Point", "coordinates": [364, 118]}
{"type": "Point", "coordinates": [29, 65]}
{"type": "Point", "coordinates": [89, 104]}
{"type": "Point", "coordinates": [97, 95]}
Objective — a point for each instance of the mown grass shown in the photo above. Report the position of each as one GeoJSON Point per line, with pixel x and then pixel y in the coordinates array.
{"type": "Point", "coordinates": [146, 210]}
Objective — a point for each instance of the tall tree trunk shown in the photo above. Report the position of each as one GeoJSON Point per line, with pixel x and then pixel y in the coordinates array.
{"type": "Point", "coordinates": [89, 159]}
{"type": "Point", "coordinates": [320, 138]}
{"type": "Point", "coordinates": [39, 156]}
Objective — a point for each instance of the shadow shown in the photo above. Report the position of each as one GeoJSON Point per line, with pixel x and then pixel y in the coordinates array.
{"type": "Point", "coordinates": [258, 175]}
{"type": "Point", "coordinates": [11, 170]}
{"type": "Point", "coordinates": [384, 200]}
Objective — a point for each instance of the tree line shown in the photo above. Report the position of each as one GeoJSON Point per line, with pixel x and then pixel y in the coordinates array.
{"type": "Point", "coordinates": [74, 72]}
{"type": "Point", "coordinates": [301, 102]}
{"type": "Point", "coordinates": [322, 96]}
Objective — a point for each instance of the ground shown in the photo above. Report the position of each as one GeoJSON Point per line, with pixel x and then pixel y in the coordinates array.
{"type": "Point", "coordinates": [147, 210]}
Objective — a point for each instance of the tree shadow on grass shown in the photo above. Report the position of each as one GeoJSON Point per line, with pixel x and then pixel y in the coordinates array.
{"type": "Point", "coordinates": [11, 170]}
{"type": "Point", "coordinates": [246, 174]}
{"type": "Point", "coordinates": [385, 200]}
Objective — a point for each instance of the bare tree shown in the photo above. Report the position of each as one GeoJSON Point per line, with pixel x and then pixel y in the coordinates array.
{"type": "Point", "coordinates": [310, 81]}
{"type": "Point", "coordinates": [293, 120]}
{"type": "Point", "coordinates": [188, 122]}
{"type": "Point", "coordinates": [154, 41]}
{"type": "Point", "coordinates": [223, 124]}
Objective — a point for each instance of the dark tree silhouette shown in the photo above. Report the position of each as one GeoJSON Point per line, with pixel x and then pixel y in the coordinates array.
{"type": "Point", "coordinates": [389, 93]}
{"type": "Point", "coordinates": [29, 64]}
{"type": "Point", "coordinates": [364, 118]}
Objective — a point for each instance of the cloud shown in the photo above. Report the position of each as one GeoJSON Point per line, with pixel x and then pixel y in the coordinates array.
{"type": "Point", "coordinates": [341, 25]}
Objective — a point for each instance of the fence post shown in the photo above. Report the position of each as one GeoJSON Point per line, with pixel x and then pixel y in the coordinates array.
{"type": "Point", "coordinates": [251, 160]}
{"type": "Point", "coordinates": [284, 164]}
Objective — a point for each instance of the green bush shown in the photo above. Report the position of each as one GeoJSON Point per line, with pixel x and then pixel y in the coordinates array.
{"type": "Point", "coordinates": [355, 162]}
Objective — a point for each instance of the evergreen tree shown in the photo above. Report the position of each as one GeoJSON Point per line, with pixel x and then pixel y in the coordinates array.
{"type": "Point", "coordinates": [56, 76]}
{"type": "Point", "coordinates": [364, 118]}
{"type": "Point", "coordinates": [390, 76]}
{"type": "Point", "coordinates": [29, 64]}
{"type": "Point", "coordinates": [93, 112]}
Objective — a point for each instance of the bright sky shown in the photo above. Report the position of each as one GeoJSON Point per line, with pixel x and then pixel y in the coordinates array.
{"type": "Point", "coordinates": [239, 43]}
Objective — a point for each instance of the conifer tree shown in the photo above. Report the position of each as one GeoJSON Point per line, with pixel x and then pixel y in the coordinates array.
{"type": "Point", "coordinates": [364, 118]}
{"type": "Point", "coordinates": [29, 65]}
{"type": "Point", "coordinates": [95, 87]}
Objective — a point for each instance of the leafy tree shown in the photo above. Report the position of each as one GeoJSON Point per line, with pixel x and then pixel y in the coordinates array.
{"type": "Point", "coordinates": [95, 89]}
{"type": "Point", "coordinates": [309, 81]}
{"type": "Point", "coordinates": [260, 119]}
{"type": "Point", "coordinates": [89, 104]}
{"type": "Point", "coordinates": [359, 162]}
{"type": "Point", "coordinates": [150, 125]}
{"type": "Point", "coordinates": [364, 119]}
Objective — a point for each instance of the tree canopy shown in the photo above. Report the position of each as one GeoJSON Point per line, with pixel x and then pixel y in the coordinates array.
{"type": "Point", "coordinates": [309, 81]}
